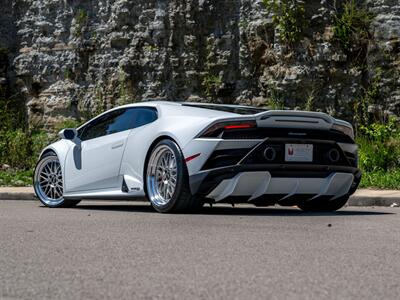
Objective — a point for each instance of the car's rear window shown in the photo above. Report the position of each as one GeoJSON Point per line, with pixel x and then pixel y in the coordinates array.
{"type": "Point", "coordinates": [241, 110]}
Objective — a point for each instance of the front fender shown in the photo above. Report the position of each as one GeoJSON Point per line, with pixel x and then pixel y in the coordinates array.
{"type": "Point", "coordinates": [60, 148]}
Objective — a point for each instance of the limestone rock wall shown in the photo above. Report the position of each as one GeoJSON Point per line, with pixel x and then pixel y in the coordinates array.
{"type": "Point", "coordinates": [74, 58]}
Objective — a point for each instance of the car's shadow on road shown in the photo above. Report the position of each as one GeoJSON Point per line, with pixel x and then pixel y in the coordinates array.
{"type": "Point", "coordinates": [237, 210]}
{"type": "Point", "coordinates": [286, 211]}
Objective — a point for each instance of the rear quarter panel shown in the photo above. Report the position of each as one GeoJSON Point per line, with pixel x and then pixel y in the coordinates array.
{"type": "Point", "coordinates": [181, 129]}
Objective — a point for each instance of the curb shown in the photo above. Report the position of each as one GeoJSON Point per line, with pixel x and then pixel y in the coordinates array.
{"type": "Point", "coordinates": [20, 193]}
{"type": "Point", "coordinates": [363, 197]}
{"type": "Point", "coordinates": [368, 197]}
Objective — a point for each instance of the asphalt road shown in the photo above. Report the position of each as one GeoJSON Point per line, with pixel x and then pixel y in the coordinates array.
{"type": "Point", "coordinates": [125, 250]}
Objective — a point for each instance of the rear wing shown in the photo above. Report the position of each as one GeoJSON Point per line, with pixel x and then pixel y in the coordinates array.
{"type": "Point", "coordinates": [294, 119]}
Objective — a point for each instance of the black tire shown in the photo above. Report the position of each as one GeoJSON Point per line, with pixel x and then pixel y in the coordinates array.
{"type": "Point", "coordinates": [182, 199]}
{"type": "Point", "coordinates": [39, 192]}
{"type": "Point", "coordinates": [324, 205]}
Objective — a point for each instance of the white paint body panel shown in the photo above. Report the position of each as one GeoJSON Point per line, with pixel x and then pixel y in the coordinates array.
{"type": "Point", "coordinates": [96, 164]}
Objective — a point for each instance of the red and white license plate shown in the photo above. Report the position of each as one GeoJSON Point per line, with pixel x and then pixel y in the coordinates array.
{"type": "Point", "coordinates": [299, 152]}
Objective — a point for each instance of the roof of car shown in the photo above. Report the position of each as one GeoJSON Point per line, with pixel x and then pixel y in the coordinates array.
{"type": "Point", "coordinates": [221, 108]}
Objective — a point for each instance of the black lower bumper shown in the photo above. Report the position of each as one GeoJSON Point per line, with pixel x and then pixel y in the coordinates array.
{"type": "Point", "coordinates": [204, 182]}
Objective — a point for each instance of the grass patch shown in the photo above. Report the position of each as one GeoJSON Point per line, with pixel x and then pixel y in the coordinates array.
{"type": "Point", "coordinates": [381, 179]}
{"type": "Point", "coordinates": [379, 154]}
{"type": "Point", "coordinates": [16, 178]}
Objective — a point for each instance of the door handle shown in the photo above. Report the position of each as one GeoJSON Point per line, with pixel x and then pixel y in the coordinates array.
{"type": "Point", "coordinates": [117, 145]}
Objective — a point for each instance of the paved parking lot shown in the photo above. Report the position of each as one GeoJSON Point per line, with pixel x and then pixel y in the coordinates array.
{"type": "Point", "coordinates": [125, 250]}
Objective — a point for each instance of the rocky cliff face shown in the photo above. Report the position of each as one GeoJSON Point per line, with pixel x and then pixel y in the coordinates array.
{"type": "Point", "coordinates": [73, 58]}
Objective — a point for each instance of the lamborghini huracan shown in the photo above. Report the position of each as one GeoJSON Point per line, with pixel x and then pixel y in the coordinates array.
{"type": "Point", "coordinates": [180, 156]}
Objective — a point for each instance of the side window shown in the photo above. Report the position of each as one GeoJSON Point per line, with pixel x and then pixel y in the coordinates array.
{"type": "Point", "coordinates": [143, 116]}
{"type": "Point", "coordinates": [123, 122]}
{"type": "Point", "coordinates": [117, 121]}
{"type": "Point", "coordinates": [100, 126]}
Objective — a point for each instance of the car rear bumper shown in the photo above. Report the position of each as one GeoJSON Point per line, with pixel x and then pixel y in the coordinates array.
{"type": "Point", "coordinates": [280, 182]}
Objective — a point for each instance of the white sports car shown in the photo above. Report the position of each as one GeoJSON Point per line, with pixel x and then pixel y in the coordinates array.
{"type": "Point", "coordinates": [182, 155]}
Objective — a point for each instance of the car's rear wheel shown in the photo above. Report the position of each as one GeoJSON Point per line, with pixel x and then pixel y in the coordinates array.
{"type": "Point", "coordinates": [167, 180]}
{"type": "Point", "coordinates": [323, 206]}
{"type": "Point", "coordinates": [48, 182]}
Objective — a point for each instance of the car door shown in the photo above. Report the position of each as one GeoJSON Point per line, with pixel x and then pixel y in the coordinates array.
{"type": "Point", "coordinates": [137, 146]}
{"type": "Point", "coordinates": [95, 164]}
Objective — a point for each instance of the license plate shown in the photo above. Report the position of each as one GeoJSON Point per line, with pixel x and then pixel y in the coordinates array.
{"type": "Point", "coordinates": [299, 152]}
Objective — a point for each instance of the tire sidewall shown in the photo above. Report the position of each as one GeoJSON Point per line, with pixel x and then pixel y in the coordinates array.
{"type": "Point", "coordinates": [181, 176]}
{"type": "Point", "coordinates": [45, 156]}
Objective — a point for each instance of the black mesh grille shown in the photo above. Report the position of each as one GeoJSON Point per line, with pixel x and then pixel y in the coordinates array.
{"type": "Point", "coordinates": [223, 158]}
{"type": "Point", "coordinates": [351, 158]}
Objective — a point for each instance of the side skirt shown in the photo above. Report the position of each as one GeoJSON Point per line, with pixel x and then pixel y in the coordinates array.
{"type": "Point", "coordinates": [105, 195]}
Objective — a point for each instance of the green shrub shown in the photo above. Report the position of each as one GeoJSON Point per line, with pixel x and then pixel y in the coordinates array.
{"type": "Point", "coordinates": [81, 19]}
{"type": "Point", "coordinates": [379, 154]}
{"type": "Point", "coordinates": [274, 98]}
{"type": "Point", "coordinates": [351, 26]}
{"type": "Point", "coordinates": [38, 140]}
{"type": "Point", "coordinates": [12, 113]}
{"type": "Point", "coordinates": [381, 132]}
{"type": "Point", "coordinates": [211, 84]}
{"type": "Point", "coordinates": [379, 146]}
{"type": "Point", "coordinates": [20, 147]}
{"type": "Point", "coordinates": [289, 17]}
{"type": "Point", "coordinates": [20, 150]}
{"type": "Point", "coordinates": [374, 156]}
{"type": "Point", "coordinates": [371, 95]}
{"type": "Point", "coordinates": [67, 123]}
{"type": "Point", "coordinates": [14, 148]}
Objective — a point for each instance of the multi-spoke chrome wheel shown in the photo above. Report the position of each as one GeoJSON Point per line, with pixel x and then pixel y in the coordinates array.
{"type": "Point", "coordinates": [167, 180]}
{"type": "Point", "coordinates": [48, 181]}
{"type": "Point", "coordinates": [162, 175]}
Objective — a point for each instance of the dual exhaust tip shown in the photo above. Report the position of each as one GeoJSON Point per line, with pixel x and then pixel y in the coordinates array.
{"type": "Point", "coordinates": [269, 154]}
{"type": "Point", "coordinates": [332, 155]}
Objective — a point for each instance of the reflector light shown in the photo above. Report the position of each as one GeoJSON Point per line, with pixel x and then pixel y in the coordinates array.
{"type": "Point", "coordinates": [187, 159]}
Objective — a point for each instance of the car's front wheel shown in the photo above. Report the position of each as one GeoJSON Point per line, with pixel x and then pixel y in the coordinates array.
{"type": "Point", "coordinates": [323, 206]}
{"type": "Point", "coordinates": [48, 182]}
{"type": "Point", "coordinates": [167, 182]}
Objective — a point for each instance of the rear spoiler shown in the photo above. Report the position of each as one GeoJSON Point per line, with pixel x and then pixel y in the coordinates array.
{"type": "Point", "coordinates": [293, 118]}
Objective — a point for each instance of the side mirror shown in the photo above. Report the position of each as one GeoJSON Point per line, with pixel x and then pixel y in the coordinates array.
{"type": "Point", "coordinates": [68, 134]}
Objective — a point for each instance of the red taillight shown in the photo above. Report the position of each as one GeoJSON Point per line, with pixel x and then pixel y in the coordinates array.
{"type": "Point", "coordinates": [239, 126]}
{"type": "Point", "coordinates": [219, 128]}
